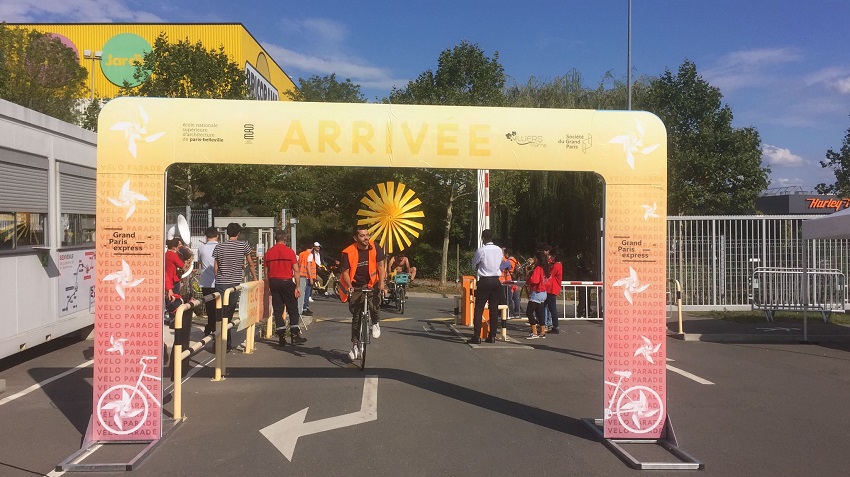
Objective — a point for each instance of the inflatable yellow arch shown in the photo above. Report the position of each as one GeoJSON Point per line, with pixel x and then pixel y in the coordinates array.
{"type": "Point", "coordinates": [140, 137]}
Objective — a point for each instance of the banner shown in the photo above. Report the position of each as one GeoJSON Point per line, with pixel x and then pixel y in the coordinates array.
{"type": "Point", "coordinates": [140, 137]}
{"type": "Point", "coordinates": [251, 304]}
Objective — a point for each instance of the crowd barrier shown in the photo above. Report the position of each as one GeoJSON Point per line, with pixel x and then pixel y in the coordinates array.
{"type": "Point", "coordinates": [223, 327]}
{"type": "Point", "coordinates": [775, 289]}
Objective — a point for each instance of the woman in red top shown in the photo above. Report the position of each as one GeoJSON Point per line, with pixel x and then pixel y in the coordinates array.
{"type": "Point", "coordinates": [537, 282]}
{"type": "Point", "coordinates": [553, 287]}
{"type": "Point", "coordinates": [173, 268]}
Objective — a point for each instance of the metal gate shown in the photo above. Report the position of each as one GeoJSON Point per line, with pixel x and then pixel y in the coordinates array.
{"type": "Point", "coordinates": [713, 257]}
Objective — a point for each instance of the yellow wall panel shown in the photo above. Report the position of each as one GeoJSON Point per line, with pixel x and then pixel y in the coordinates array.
{"type": "Point", "coordinates": [238, 43]}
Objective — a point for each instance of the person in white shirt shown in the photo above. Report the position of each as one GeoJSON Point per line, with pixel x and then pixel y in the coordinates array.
{"type": "Point", "coordinates": [486, 263]}
{"type": "Point", "coordinates": [207, 281]}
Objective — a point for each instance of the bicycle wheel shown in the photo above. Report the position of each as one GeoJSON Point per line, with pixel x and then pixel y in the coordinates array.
{"type": "Point", "coordinates": [365, 329]}
{"type": "Point", "coordinates": [643, 407]}
{"type": "Point", "coordinates": [128, 407]}
{"type": "Point", "coordinates": [401, 297]}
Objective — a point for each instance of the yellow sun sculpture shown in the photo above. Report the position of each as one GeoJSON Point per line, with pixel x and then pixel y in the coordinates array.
{"type": "Point", "coordinates": [389, 215]}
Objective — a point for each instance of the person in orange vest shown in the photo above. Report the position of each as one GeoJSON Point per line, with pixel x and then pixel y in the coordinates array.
{"type": "Point", "coordinates": [308, 262]}
{"type": "Point", "coordinates": [363, 265]}
{"type": "Point", "coordinates": [508, 267]}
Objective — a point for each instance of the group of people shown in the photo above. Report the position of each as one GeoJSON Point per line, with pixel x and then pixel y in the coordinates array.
{"type": "Point", "coordinates": [494, 267]}
{"type": "Point", "coordinates": [362, 265]}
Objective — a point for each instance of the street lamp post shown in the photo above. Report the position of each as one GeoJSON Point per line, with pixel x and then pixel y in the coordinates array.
{"type": "Point", "coordinates": [89, 55]}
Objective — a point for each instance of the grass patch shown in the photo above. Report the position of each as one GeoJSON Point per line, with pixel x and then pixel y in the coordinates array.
{"type": "Point", "coordinates": [782, 316]}
{"type": "Point", "coordinates": [426, 285]}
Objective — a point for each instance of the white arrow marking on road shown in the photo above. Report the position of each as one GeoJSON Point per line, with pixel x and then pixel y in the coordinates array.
{"type": "Point", "coordinates": [285, 433]}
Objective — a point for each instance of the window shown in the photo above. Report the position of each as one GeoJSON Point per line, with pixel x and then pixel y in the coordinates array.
{"type": "Point", "coordinates": [77, 229]}
{"type": "Point", "coordinates": [21, 229]}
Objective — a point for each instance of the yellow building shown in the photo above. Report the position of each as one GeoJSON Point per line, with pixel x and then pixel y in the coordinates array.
{"type": "Point", "coordinates": [109, 51]}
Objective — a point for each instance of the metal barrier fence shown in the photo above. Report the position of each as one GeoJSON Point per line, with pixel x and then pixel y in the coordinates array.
{"type": "Point", "coordinates": [713, 257]}
{"type": "Point", "coordinates": [586, 303]}
{"type": "Point", "coordinates": [782, 289]}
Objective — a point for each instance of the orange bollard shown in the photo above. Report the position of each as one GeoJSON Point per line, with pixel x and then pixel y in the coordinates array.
{"type": "Point", "coordinates": [467, 301]}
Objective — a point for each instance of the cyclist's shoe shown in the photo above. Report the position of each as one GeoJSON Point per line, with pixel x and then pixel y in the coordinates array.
{"type": "Point", "coordinates": [298, 339]}
{"type": "Point", "coordinates": [355, 351]}
{"type": "Point", "coordinates": [376, 330]}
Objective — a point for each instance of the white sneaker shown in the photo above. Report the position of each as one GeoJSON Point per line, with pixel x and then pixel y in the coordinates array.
{"type": "Point", "coordinates": [532, 336]}
{"type": "Point", "coordinates": [355, 351]}
{"type": "Point", "coordinates": [311, 300]}
{"type": "Point", "coordinates": [376, 330]}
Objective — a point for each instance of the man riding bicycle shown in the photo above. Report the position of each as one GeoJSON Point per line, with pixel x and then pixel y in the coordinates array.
{"type": "Point", "coordinates": [362, 265]}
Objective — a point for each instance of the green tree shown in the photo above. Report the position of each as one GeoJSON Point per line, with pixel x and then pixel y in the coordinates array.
{"type": "Point", "coordinates": [713, 167]}
{"type": "Point", "coordinates": [88, 119]}
{"type": "Point", "coordinates": [40, 73]}
{"type": "Point", "coordinates": [186, 70]}
{"type": "Point", "coordinates": [465, 76]}
{"type": "Point", "coordinates": [326, 89]}
{"type": "Point", "coordinates": [839, 162]}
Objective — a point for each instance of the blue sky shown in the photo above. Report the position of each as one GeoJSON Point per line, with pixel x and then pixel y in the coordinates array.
{"type": "Point", "coordinates": [783, 66]}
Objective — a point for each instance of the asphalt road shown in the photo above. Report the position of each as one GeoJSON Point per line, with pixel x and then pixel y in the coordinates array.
{"type": "Point", "coordinates": [443, 407]}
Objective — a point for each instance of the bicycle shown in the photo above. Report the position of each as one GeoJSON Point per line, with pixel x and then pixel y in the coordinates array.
{"type": "Point", "coordinates": [399, 290]}
{"type": "Point", "coordinates": [365, 335]}
{"type": "Point", "coordinates": [637, 402]}
{"type": "Point", "coordinates": [129, 404]}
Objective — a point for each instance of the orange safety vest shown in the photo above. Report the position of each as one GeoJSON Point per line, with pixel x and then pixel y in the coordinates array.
{"type": "Point", "coordinates": [307, 268]}
{"type": "Point", "coordinates": [508, 273]}
{"type": "Point", "coordinates": [352, 253]}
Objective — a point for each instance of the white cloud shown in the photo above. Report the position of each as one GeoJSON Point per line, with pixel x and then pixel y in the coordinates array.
{"type": "Point", "coordinates": [368, 77]}
{"type": "Point", "coordinates": [780, 157]}
{"type": "Point", "coordinates": [787, 182]}
{"type": "Point", "coordinates": [93, 11]}
{"type": "Point", "coordinates": [746, 68]}
{"type": "Point", "coordinates": [836, 78]}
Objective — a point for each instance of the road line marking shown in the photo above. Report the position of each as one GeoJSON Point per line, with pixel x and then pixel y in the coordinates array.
{"type": "Point", "coordinates": [284, 433]}
{"type": "Point", "coordinates": [688, 375]}
{"type": "Point", "coordinates": [37, 386]}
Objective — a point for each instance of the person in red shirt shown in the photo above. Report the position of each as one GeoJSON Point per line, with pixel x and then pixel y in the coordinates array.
{"type": "Point", "coordinates": [173, 268]}
{"type": "Point", "coordinates": [281, 269]}
{"type": "Point", "coordinates": [537, 283]}
{"type": "Point", "coordinates": [553, 287]}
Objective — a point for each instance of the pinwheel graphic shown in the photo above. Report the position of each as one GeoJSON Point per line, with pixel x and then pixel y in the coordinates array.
{"type": "Point", "coordinates": [649, 211]}
{"type": "Point", "coordinates": [134, 131]}
{"type": "Point", "coordinates": [117, 345]}
{"type": "Point", "coordinates": [127, 199]}
{"type": "Point", "coordinates": [123, 408]}
{"type": "Point", "coordinates": [123, 279]}
{"type": "Point", "coordinates": [633, 144]}
{"type": "Point", "coordinates": [631, 285]}
{"type": "Point", "coordinates": [647, 349]}
{"type": "Point", "coordinates": [389, 215]}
